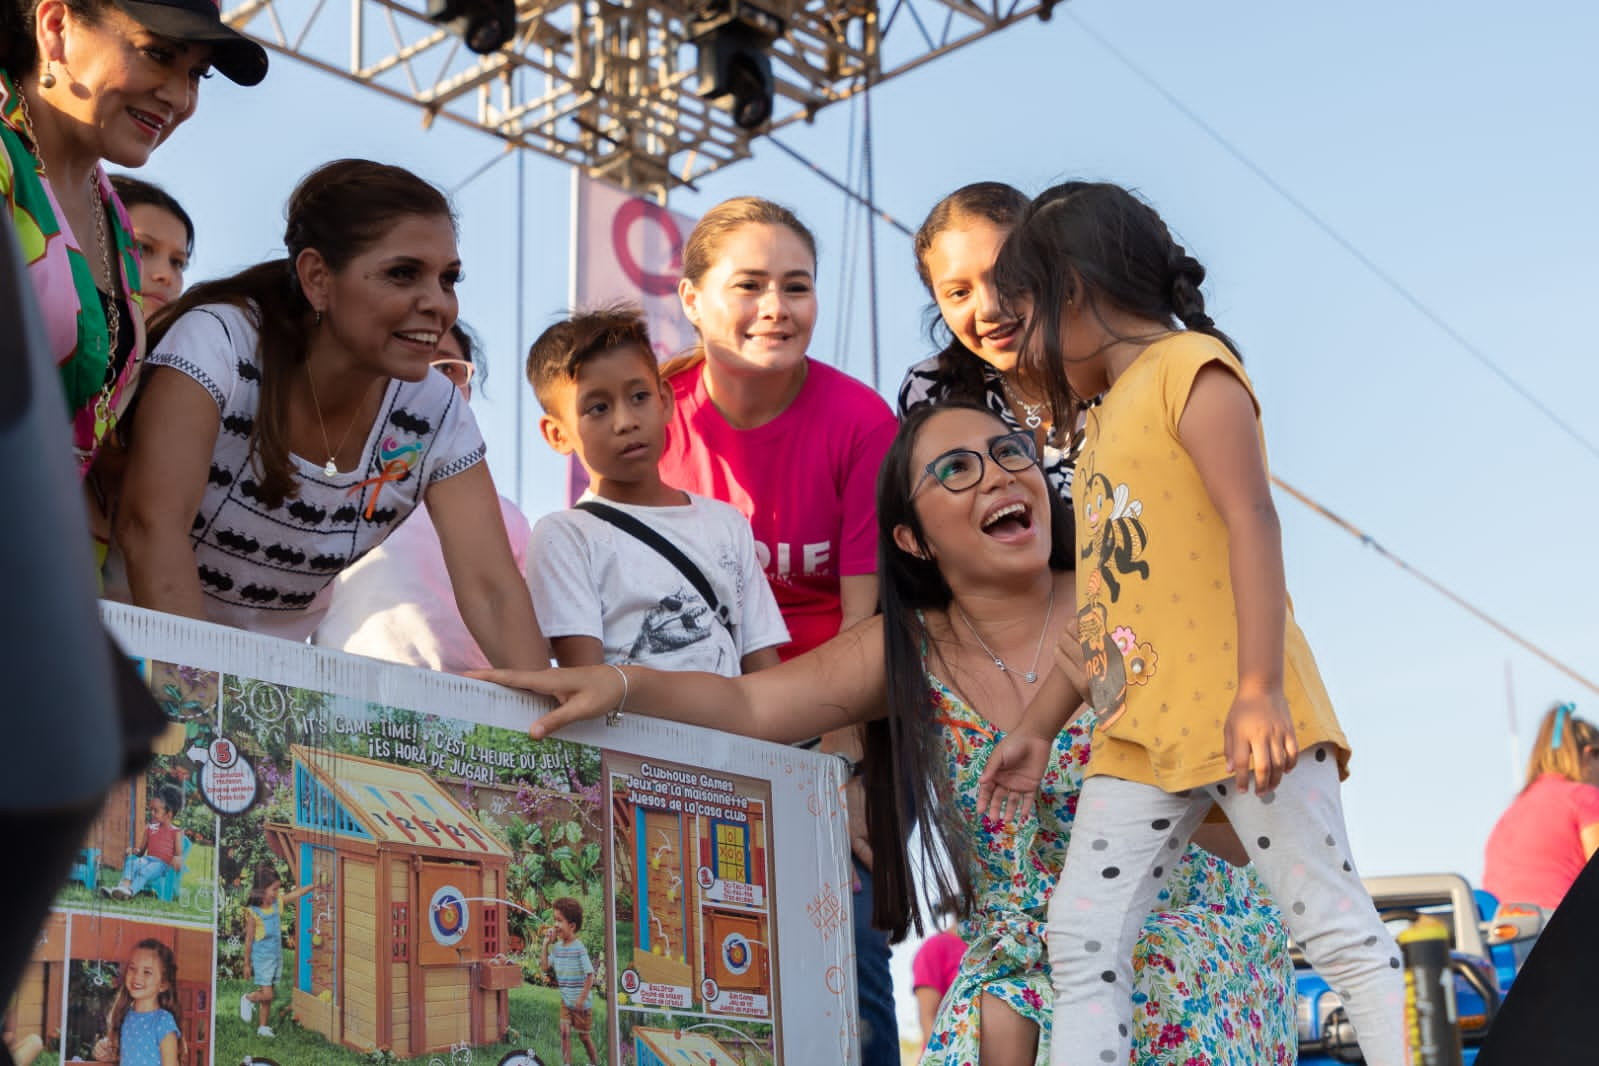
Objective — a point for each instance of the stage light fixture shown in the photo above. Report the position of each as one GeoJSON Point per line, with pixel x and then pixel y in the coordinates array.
{"type": "Point", "coordinates": [485, 25]}
{"type": "Point", "coordinates": [734, 39]}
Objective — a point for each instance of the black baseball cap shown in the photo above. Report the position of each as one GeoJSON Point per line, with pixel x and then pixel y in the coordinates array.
{"type": "Point", "coordinates": [240, 59]}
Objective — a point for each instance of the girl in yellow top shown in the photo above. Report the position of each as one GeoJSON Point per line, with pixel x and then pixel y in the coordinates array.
{"type": "Point", "coordinates": [1198, 677]}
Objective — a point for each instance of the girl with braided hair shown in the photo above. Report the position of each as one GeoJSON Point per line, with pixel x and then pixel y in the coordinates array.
{"type": "Point", "coordinates": [1198, 680]}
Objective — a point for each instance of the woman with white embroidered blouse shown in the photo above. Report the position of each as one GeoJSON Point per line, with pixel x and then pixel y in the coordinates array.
{"type": "Point", "coordinates": [290, 421]}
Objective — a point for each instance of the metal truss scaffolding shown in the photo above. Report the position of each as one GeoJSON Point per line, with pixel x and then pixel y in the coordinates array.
{"type": "Point", "coordinates": [610, 85]}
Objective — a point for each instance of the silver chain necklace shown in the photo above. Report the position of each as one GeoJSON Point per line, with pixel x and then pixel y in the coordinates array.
{"type": "Point", "coordinates": [1031, 675]}
{"type": "Point", "coordinates": [1031, 415]}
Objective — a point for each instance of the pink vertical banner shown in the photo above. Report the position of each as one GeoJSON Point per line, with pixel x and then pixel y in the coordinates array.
{"type": "Point", "coordinates": [628, 249]}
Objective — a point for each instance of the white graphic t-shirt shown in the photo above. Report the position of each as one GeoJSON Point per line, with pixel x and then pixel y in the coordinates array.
{"type": "Point", "coordinates": [591, 579]}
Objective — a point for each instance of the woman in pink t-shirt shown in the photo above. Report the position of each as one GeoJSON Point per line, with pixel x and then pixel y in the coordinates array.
{"type": "Point", "coordinates": [795, 445]}
{"type": "Point", "coordinates": [1551, 829]}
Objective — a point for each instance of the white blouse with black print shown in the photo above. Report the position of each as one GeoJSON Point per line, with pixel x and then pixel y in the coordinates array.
{"type": "Point", "coordinates": [269, 569]}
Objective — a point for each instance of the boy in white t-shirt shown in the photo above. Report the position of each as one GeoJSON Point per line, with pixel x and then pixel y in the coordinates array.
{"type": "Point", "coordinates": [601, 593]}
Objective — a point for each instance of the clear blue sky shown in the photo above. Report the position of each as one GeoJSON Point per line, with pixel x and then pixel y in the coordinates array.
{"type": "Point", "coordinates": [1452, 144]}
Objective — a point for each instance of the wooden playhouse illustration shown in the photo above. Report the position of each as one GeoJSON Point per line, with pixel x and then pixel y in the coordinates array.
{"type": "Point", "coordinates": [405, 950]}
{"type": "Point", "coordinates": [736, 954]}
{"type": "Point", "coordinates": [676, 942]}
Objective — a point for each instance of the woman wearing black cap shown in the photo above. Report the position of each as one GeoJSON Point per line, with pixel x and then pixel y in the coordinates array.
{"type": "Point", "coordinates": [81, 82]}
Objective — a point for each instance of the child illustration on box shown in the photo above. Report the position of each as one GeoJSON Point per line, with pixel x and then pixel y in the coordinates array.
{"type": "Point", "coordinates": [574, 974]}
{"type": "Point", "coordinates": [263, 938]}
{"type": "Point", "coordinates": [142, 1027]}
{"type": "Point", "coordinates": [160, 849]}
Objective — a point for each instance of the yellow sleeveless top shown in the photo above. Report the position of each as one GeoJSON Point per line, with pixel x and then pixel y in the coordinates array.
{"type": "Point", "coordinates": [1156, 614]}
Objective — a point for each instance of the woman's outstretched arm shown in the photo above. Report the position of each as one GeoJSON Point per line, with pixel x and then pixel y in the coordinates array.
{"type": "Point", "coordinates": [840, 683]}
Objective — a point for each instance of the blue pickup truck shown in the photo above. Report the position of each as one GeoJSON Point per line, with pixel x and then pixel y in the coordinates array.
{"type": "Point", "coordinates": [1483, 939]}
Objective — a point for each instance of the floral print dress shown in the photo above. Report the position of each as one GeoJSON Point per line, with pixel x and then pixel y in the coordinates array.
{"type": "Point", "coordinates": [1213, 982]}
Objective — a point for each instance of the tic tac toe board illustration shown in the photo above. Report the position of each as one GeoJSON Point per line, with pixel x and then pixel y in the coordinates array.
{"type": "Point", "coordinates": [335, 860]}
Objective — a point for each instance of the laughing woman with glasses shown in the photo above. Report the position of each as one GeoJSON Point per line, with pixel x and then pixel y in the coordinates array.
{"type": "Point", "coordinates": [975, 560]}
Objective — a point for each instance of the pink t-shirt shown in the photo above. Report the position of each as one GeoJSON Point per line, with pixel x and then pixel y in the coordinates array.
{"type": "Point", "coordinates": [807, 481]}
{"type": "Point", "coordinates": [1535, 851]}
{"type": "Point", "coordinates": [937, 961]}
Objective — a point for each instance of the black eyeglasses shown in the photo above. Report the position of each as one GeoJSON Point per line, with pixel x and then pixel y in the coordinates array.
{"type": "Point", "coordinates": [960, 469]}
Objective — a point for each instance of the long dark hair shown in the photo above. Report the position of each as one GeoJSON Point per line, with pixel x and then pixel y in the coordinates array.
{"type": "Point", "coordinates": [166, 999]}
{"type": "Point", "coordinates": [906, 779]}
{"type": "Point", "coordinates": [710, 234]}
{"type": "Point", "coordinates": [960, 370]}
{"type": "Point", "coordinates": [1084, 242]}
{"type": "Point", "coordinates": [340, 209]}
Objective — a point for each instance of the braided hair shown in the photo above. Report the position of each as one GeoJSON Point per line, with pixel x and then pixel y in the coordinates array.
{"type": "Point", "coordinates": [1085, 242]}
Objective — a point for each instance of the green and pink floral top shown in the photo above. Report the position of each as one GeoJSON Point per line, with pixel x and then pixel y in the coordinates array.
{"type": "Point", "coordinates": [98, 386]}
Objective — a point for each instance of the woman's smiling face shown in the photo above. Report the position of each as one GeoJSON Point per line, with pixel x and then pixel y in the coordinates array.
{"type": "Point", "coordinates": [756, 305]}
{"type": "Point", "coordinates": [960, 268]}
{"type": "Point", "coordinates": [121, 89]}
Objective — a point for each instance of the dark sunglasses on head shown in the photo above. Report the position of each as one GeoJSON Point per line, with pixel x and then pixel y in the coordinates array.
{"type": "Point", "coordinates": [960, 469]}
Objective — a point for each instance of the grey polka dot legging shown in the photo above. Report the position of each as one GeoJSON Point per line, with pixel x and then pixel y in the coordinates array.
{"type": "Point", "coordinates": [1125, 839]}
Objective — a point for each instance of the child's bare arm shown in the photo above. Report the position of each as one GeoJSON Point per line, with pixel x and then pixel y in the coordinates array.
{"type": "Point", "coordinates": [169, 1050]}
{"type": "Point", "coordinates": [314, 886]}
{"type": "Point", "coordinates": [764, 659]}
{"type": "Point", "coordinates": [577, 651]}
{"type": "Point", "coordinates": [249, 939]}
{"type": "Point", "coordinates": [1018, 763]}
{"type": "Point", "coordinates": [1221, 433]}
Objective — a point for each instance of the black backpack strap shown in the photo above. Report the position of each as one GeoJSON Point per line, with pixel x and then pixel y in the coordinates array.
{"type": "Point", "coordinates": [668, 551]}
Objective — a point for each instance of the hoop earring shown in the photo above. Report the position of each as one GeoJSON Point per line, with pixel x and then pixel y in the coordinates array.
{"type": "Point", "coordinates": [47, 80]}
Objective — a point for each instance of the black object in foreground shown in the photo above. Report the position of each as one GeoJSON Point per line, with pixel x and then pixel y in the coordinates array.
{"type": "Point", "coordinates": [75, 716]}
{"type": "Point", "coordinates": [1547, 1017]}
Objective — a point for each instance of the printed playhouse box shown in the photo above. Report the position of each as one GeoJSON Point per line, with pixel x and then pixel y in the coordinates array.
{"type": "Point", "coordinates": [333, 860]}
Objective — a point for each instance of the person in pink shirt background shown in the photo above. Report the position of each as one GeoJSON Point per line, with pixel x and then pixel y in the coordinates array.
{"type": "Point", "coordinates": [933, 969]}
{"type": "Point", "coordinates": [1551, 829]}
{"type": "Point", "coordinates": [795, 445]}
